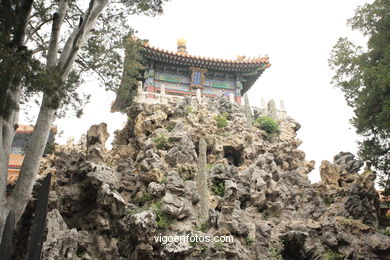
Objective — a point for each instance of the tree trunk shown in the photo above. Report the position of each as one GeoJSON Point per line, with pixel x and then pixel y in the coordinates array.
{"type": "Point", "coordinates": [7, 133]}
{"type": "Point", "coordinates": [6, 242]}
{"type": "Point", "coordinates": [12, 84]}
{"type": "Point", "coordinates": [29, 170]}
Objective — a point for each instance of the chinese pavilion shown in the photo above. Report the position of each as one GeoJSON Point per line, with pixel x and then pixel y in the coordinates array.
{"type": "Point", "coordinates": [182, 74]}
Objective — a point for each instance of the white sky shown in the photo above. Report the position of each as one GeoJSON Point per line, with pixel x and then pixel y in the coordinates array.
{"type": "Point", "coordinates": [297, 36]}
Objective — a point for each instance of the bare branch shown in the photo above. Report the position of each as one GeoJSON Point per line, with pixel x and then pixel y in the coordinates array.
{"type": "Point", "coordinates": [23, 12]}
{"type": "Point", "coordinates": [36, 30]}
{"type": "Point", "coordinates": [39, 49]}
{"type": "Point", "coordinates": [74, 44]}
{"type": "Point", "coordinates": [87, 65]}
{"type": "Point", "coordinates": [41, 39]}
{"type": "Point", "coordinates": [58, 19]}
{"type": "Point", "coordinates": [80, 35]}
{"type": "Point", "coordinates": [44, 10]}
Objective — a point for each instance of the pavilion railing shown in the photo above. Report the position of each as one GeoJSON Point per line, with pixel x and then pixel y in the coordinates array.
{"type": "Point", "coordinates": [269, 108]}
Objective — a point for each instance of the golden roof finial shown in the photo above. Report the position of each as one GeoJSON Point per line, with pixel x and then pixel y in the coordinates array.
{"type": "Point", "coordinates": [181, 45]}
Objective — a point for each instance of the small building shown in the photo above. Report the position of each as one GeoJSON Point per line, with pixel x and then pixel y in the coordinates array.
{"type": "Point", "coordinates": [18, 149]}
{"type": "Point", "coordinates": [178, 73]}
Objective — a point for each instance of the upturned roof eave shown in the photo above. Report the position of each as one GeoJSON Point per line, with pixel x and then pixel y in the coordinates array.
{"type": "Point", "coordinates": [165, 56]}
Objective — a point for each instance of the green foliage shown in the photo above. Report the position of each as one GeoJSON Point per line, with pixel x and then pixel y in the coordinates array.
{"type": "Point", "coordinates": [218, 188]}
{"type": "Point", "coordinates": [189, 109]}
{"type": "Point", "coordinates": [268, 124]}
{"type": "Point", "coordinates": [81, 253]}
{"type": "Point", "coordinates": [327, 201]}
{"type": "Point", "coordinates": [203, 227]}
{"type": "Point", "coordinates": [163, 220]}
{"type": "Point", "coordinates": [132, 68]}
{"type": "Point", "coordinates": [275, 254]}
{"type": "Point", "coordinates": [171, 126]}
{"type": "Point", "coordinates": [363, 75]}
{"type": "Point", "coordinates": [385, 232]}
{"type": "Point", "coordinates": [193, 244]}
{"type": "Point", "coordinates": [209, 166]}
{"type": "Point", "coordinates": [331, 255]}
{"type": "Point", "coordinates": [142, 200]}
{"type": "Point", "coordinates": [25, 67]}
{"type": "Point", "coordinates": [161, 141]}
{"type": "Point", "coordinates": [248, 241]}
{"type": "Point", "coordinates": [222, 120]}
{"type": "Point", "coordinates": [354, 223]}
{"type": "Point", "coordinates": [219, 245]}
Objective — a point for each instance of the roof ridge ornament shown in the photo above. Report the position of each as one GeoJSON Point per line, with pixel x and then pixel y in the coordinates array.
{"type": "Point", "coordinates": [240, 58]}
{"type": "Point", "coordinates": [181, 45]}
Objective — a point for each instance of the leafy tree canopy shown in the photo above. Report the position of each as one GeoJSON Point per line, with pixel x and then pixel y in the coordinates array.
{"type": "Point", "coordinates": [363, 74]}
{"type": "Point", "coordinates": [132, 72]}
{"type": "Point", "coordinates": [101, 56]}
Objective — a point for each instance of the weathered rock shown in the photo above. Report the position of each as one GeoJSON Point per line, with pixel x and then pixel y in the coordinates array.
{"type": "Point", "coordinates": [257, 191]}
{"type": "Point", "coordinates": [347, 162]}
{"type": "Point", "coordinates": [143, 222]}
{"type": "Point", "coordinates": [201, 181]}
{"type": "Point", "coordinates": [62, 242]}
{"type": "Point", "coordinates": [102, 175]}
{"type": "Point", "coordinates": [191, 191]}
{"type": "Point", "coordinates": [156, 189]}
{"type": "Point", "coordinates": [183, 150]}
{"type": "Point", "coordinates": [329, 173]}
{"type": "Point", "coordinates": [150, 167]}
{"type": "Point", "coordinates": [173, 203]}
{"type": "Point", "coordinates": [176, 206]}
{"type": "Point", "coordinates": [248, 112]}
{"type": "Point", "coordinates": [111, 201]}
{"type": "Point", "coordinates": [96, 139]}
{"type": "Point", "coordinates": [306, 168]}
{"type": "Point", "coordinates": [272, 112]}
{"type": "Point", "coordinates": [362, 204]}
{"type": "Point", "coordinates": [263, 189]}
{"type": "Point", "coordinates": [180, 247]}
{"type": "Point", "coordinates": [97, 134]}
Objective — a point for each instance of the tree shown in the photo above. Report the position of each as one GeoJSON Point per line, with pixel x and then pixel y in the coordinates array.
{"type": "Point", "coordinates": [132, 72]}
{"type": "Point", "coordinates": [363, 74]}
{"type": "Point", "coordinates": [50, 62]}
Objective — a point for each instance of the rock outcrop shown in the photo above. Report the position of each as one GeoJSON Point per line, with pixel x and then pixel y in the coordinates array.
{"type": "Point", "coordinates": [96, 139]}
{"type": "Point", "coordinates": [124, 203]}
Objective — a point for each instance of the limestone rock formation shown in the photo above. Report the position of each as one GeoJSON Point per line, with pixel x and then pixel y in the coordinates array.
{"type": "Point", "coordinates": [115, 204]}
{"type": "Point", "coordinates": [96, 139]}
{"type": "Point", "coordinates": [330, 173]}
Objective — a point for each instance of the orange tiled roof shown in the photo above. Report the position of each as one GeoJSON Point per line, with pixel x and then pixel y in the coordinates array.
{"type": "Point", "coordinates": [258, 60]}
{"type": "Point", "coordinates": [30, 128]}
{"type": "Point", "coordinates": [25, 129]}
{"type": "Point", "coordinates": [13, 175]}
{"type": "Point", "coordinates": [16, 160]}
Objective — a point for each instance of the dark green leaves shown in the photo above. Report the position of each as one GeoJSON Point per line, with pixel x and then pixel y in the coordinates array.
{"type": "Point", "coordinates": [363, 74]}
{"type": "Point", "coordinates": [132, 72]}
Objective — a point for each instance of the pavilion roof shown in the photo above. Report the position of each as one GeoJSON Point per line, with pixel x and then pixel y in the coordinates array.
{"type": "Point", "coordinates": [250, 69]}
{"type": "Point", "coordinates": [184, 58]}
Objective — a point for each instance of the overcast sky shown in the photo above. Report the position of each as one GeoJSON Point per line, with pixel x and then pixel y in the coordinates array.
{"type": "Point", "coordinates": [297, 36]}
